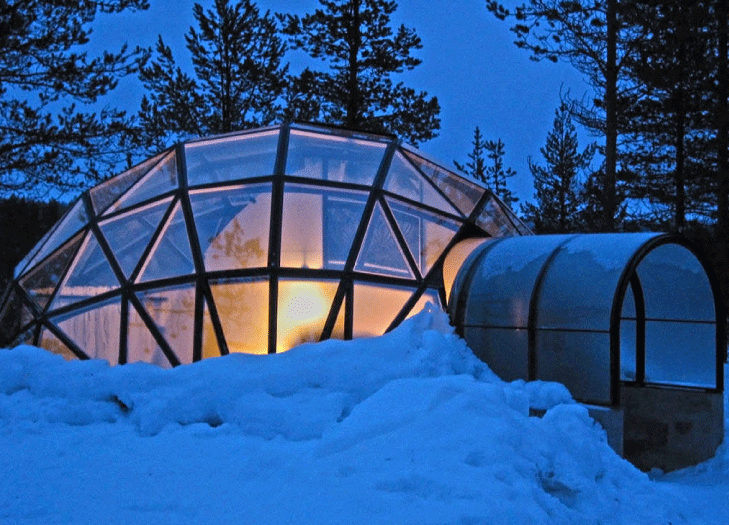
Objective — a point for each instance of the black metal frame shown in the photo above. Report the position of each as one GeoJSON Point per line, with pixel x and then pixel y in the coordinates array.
{"type": "Point", "coordinates": [629, 277]}
{"type": "Point", "coordinates": [128, 288]}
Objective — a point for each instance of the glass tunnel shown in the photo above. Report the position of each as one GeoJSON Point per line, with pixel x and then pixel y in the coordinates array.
{"type": "Point", "coordinates": [251, 242]}
{"type": "Point", "coordinates": [593, 312]}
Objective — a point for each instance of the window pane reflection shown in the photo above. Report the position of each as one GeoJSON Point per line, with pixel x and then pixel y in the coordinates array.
{"type": "Point", "coordinates": [680, 353]}
{"type": "Point", "coordinates": [318, 226]}
{"type": "Point", "coordinates": [233, 226]}
{"type": "Point", "coordinates": [173, 311]}
{"type": "Point", "coordinates": [141, 345]}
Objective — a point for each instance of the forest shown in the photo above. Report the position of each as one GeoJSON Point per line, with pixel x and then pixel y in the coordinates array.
{"type": "Point", "coordinates": [658, 109]}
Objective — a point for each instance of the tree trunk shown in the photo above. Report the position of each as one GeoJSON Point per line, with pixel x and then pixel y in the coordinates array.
{"type": "Point", "coordinates": [611, 117]}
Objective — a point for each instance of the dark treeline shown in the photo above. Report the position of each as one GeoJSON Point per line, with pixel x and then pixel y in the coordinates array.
{"type": "Point", "coordinates": [22, 224]}
{"type": "Point", "coordinates": [658, 109]}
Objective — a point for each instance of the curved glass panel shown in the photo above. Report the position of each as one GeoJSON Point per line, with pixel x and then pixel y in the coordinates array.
{"type": "Point", "coordinates": [675, 285]}
{"type": "Point", "coordinates": [335, 158]}
{"type": "Point", "coordinates": [502, 285]}
{"type": "Point", "coordinates": [680, 353]}
{"type": "Point", "coordinates": [505, 350]}
{"type": "Point", "coordinates": [571, 296]}
{"type": "Point", "coordinates": [233, 226]}
{"type": "Point", "coordinates": [578, 360]}
{"type": "Point", "coordinates": [231, 158]}
{"type": "Point", "coordinates": [455, 259]}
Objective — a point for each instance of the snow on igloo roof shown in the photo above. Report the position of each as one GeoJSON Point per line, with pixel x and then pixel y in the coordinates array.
{"type": "Point", "coordinates": [251, 242]}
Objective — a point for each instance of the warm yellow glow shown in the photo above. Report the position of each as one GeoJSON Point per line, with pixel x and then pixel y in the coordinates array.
{"type": "Point", "coordinates": [243, 310]}
{"type": "Point", "coordinates": [454, 261]}
{"type": "Point", "coordinates": [303, 307]}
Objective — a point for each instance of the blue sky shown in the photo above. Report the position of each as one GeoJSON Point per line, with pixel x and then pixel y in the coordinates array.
{"type": "Point", "coordinates": [469, 62]}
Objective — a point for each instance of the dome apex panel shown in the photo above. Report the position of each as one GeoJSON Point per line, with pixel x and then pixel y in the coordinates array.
{"type": "Point", "coordinates": [251, 242]}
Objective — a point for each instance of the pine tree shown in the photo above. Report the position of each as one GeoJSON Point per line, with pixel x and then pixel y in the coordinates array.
{"type": "Point", "coordinates": [671, 69]}
{"type": "Point", "coordinates": [237, 82]}
{"type": "Point", "coordinates": [594, 38]}
{"type": "Point", "coordinates": [49, 140]}
{"type": "Point", "coordinates": [496, 174]}
{"type": "Point", "coordinates": [363, 52]}
{"type": "Point", "coordinates": [476, 167]}
{"type": "Point", "coordinates": [557, 185]}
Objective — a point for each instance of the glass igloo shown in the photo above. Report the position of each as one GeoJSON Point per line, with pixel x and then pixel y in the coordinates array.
{"type": "Point", "coordinates": [250, 242]}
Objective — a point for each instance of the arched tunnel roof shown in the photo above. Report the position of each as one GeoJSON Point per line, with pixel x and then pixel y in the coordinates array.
{"type": "Point", "coordinates": [591, 311]}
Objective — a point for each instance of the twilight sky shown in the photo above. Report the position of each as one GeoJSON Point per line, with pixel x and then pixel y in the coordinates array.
{"type": "Point", "coordinates": [469, 62]}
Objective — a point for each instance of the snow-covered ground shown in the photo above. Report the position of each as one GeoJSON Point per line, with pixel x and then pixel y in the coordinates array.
{"type": "Point", "coordinates": [408, 428]}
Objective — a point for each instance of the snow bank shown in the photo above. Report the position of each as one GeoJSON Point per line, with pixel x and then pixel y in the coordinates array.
{"type": "Point", "coordinates": [405, 428]}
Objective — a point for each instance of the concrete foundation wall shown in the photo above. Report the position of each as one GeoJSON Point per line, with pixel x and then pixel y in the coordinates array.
{"type": "Point", "coordinates": [669, 428]}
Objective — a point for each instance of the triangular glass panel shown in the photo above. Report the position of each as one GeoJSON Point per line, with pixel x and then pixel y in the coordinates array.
{"type": "Point", "coordinates": [210, 346]}
{"type": "Point", "coordinates": [88, 276]}
{"type": "Point", "coordinates": [161, 179]}
{"type": "Point", "coordinates": [463, 193]}
{"type": "Point", "coordinates": [342, 216]}
{"type": "Point", "coordinates": [26, 337]}
{"type": "Point", "coordinates": [42, 280]}
{"type": "Point", "coordinates": [232, 226]}
{"type": "Point", "coordinates": [50, 342]}
{"type": "Point", "coordinates": [72, 222]}
{"type": "Point", "coordinates": [375, 306]}
{"type": "Point", "coordinates": [173, 312]}
{"type": "Point", "coordinates": [171, 255]}
{"type": "Point", "coordinates": [381, 253]}
{"type": "Point", "coordinates": [95, 330]}
{"type": "Point", "coordinates": [405, 180]}
{"type": "Point", "coordinates": [141, 345]}
{"type": "Point", "coordinates": [411, 228]}
{"type": "Point", "coordinates": [107, 192]}
{"type": "Point", "coordinates": [426, 234]}
{"type": "Point", "coordinates": [129, 234]}
{"type": "Point", "coordinates": [438, 232]}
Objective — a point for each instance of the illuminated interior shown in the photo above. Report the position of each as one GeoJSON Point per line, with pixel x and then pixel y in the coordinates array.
{"type": "Point", "coordinates": [253, 242]}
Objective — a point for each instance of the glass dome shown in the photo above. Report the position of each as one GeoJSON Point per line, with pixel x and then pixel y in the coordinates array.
{"type": "Point", "coordinates": [250, 242]}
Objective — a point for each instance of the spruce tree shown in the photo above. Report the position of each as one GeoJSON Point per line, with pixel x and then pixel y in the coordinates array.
{"type": "Point", "coordinates": [363, 52]}
{"type": "Point", "coordinates": [594, 38]}
{"type": "Point", "coordinates": [496, 174]}
{"type": "Point", "coordinates": [237, 81]}
{"type": "Point", "coordinates": [50, 141]}
{"type": "Point", "coordinates": [476, 166]}
{"type": "Point", "coordinates": [557, 199]}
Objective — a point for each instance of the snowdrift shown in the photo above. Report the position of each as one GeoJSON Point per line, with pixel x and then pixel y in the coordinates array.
{"type": "Point", "coordinates": [407, 428]}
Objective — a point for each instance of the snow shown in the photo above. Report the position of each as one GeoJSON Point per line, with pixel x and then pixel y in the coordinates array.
{"type": "Point", "coordinates": [407, 428]}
